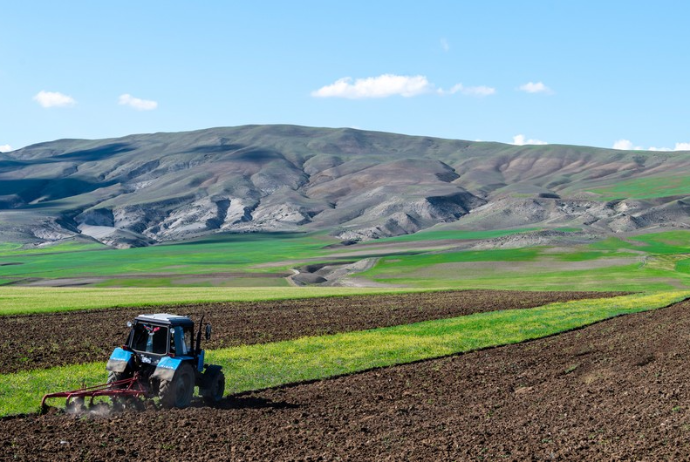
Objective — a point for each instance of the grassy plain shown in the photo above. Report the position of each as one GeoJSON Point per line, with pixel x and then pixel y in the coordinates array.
{"type": "Point", "coordinates": [430, 259]}
{"type": "Point", "coordinates": [243, 253]}
{"type": "Point", "coordinates": [26, 300]}
{"type": "Point", "coordinates": [264, 365]}
{"type": "Point", "coordinates": [222, 253]}
{"type": "Point", "coordinates": [649, 262]}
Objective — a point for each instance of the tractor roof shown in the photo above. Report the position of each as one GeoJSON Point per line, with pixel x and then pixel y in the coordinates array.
{"type": "Point", "coordinates": [165, 318]}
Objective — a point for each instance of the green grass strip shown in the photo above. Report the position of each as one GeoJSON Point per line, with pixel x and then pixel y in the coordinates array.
{"type": "Point", "coordinates": [645, 188]}
{"type": "Point", "coordinates": [259, 366]}
{"type": "Point", "coordinates": [26, 300]}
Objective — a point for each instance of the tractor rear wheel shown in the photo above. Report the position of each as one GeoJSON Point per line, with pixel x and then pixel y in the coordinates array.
{"type": "Point", "coordinates": [178, 391]}
{"type": "Point", "coordinates": [120, 403]}
{"type": "Point", "coordinates": [214, 389]}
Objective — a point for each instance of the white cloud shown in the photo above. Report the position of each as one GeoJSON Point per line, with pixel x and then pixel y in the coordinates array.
{"type": "Point", "coordinates": [54, 99]}
{"type": "Point", "coordinates": [137, 103]}
{"type": "Point", "coordinates": [481, 90]}
{"type": "Point", "coordinates": [5, 148]}
{"type": "Point", "coordinates": [390, 85]}
{"type": "Point", "coordinates": [535, 87]}
{"type": "Point", "coordinates": [445, 45]}
{"type": "Point", "coordinates": [627, 145]}
{"type": "Point", "coordinates": [519, 140]}
{"type": "Point", "coordinates": [375, 87]}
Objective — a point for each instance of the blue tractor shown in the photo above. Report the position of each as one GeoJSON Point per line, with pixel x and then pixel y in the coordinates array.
{"type": "Point", "coordinates": [163, 358]}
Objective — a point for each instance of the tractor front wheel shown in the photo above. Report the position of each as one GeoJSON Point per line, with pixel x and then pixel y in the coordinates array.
{"type": "Point", "coordinates": [117, 376]}
{"type": "Point", "coordinates": [178, 391]}
{"type": "Point", "coordinates": [112, 378]}
{"type": "Point", "coordinates": [214, 389]}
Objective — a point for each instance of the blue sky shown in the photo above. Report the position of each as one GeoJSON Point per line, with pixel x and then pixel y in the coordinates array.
{"type": "Point", "coordinates": [581, 72]}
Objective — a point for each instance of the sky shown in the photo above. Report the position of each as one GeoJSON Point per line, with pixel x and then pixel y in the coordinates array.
{"type": "Point", "coordinates": [598, 73]}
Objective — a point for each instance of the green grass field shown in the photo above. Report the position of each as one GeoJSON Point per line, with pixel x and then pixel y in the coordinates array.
{"type": "Point", "coordinates": [645, 188]}
{"type": "Point", "coordinates": [180, 282]}
{"type": "Point", "coordinates": [260, 366]}
{"type": "Point", "coordinates": [648, 262]}
{"type": "Point", "coordinates": [223, 253]}
{"type": "Point", "coordinates": [26, 300]}
{"type": "Point", "coordinates": [665, 243]}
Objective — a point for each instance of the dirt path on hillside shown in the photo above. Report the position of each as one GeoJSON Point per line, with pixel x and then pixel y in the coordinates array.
{"type": "Point", "coordinates": [617, 390]}
{"type": "Point", "coordinates": [48, 340]}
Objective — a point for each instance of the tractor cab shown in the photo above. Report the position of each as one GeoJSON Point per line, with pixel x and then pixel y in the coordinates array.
{"type": "Point", "coordinates": [156, 335]}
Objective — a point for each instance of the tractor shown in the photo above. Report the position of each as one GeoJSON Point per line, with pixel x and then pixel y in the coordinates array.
{"type": "Point", "coordinates": [160, 358]}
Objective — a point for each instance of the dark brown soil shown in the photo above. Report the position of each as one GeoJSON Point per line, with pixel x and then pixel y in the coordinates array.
{"type": "Point", "coordinates": [48, 340]}
{"type": "Point", "coordinates": [617, 390]}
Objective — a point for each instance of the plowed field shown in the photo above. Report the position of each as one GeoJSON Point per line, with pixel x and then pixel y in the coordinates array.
{"type": "Point", "coordinates": [48, 340]}
{"type": "Point", "coordinates": [617, 390]}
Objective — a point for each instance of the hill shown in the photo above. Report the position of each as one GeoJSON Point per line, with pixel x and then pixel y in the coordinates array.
{"type": "Point", "coordinates": [355, 185]}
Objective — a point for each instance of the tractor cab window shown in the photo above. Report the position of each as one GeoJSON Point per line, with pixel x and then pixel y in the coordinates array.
{"type": "Point", "coordinates": [188, 334]}
{"type": "Point", "coordinates": [181, 340]}
{"type": "Point", "coordinates": [150, 338]}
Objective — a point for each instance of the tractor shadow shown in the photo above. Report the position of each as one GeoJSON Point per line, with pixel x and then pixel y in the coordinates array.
{"type": "Point", "coordinates": [247, 402]}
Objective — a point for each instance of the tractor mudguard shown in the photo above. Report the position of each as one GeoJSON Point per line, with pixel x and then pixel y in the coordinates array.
{"type": "Point", "coordinates": [119, 360]}
{"type": "Point", "coordinates": [166, 368]}
{"type": "Point", "coordinates": [200, 364]}
{"type": "Point", "coordinates": [208, 374]}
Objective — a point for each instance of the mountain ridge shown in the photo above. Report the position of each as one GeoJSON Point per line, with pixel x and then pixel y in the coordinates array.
{"type": "Point", "coordinates": [356, 185]}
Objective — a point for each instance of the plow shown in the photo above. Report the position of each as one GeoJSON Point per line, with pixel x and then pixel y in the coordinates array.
{"type": "Point", "coordinates": [161, 358]}
{"type": "Point", "coordinates": [121, 389]}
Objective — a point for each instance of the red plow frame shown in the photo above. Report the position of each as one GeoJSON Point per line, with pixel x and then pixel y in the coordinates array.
{"type": "Point", "coordinates": [122, 388]}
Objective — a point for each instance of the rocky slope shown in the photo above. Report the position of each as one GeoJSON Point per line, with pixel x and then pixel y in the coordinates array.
{"type": "Point", "coordinates": [143, 189]}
